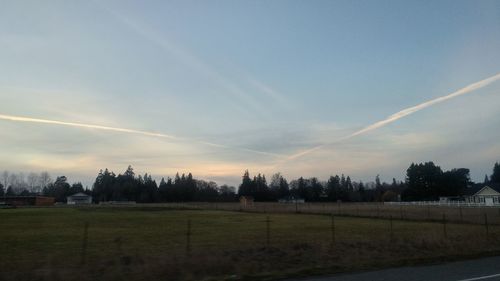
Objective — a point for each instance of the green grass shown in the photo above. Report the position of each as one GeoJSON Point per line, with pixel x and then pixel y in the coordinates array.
{"type": "Point", "coordinates": [151, 244]}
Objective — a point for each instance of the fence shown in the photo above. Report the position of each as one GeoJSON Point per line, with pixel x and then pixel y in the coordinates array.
{"type": "Point", "coordinates": [176, 240]}
{"type": "Point", "coordinates": [448, 203]}
{"type": "Point", "coordinates": [418, 212]}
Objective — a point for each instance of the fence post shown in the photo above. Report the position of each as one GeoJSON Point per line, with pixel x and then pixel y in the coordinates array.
{"type": "Point", "coordinates": [188, 237]}
{"type": "Point", "coordinates": [333, 229]}
{"type": "Point", "coordinates": [392, 232]}
{"type": "Point", "coordinates": [84, 242]}
{"type": "Point", "coordinates": [444, 226]}
{"type": "Point", "coordinates": [486, 225]}
{"type": "Point", "coordinates": [268, 232]}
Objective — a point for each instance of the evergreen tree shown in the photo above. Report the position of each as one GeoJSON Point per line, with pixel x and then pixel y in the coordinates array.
{"type": "Point", "coordinates": [246, 186]}
{"type": "Point", "coordinates": [495, 177]}
{"type": "Point", "coordinates": [278, 187]}
{"type": "Point", "coordinates": [423, 181]}
{"type": "Point", "coordinates": [333, 189]}
{"type": "Point", "coordinates": [348, 184]}
{"type": "Point", "coordinates": [316, 189]}
{"type": "Point", "coordinates": [362, 192]}
{"type": "Point", "coordinates": [10, 191]}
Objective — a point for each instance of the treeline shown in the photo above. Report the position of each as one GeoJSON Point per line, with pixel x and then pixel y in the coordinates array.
{"type": "Point", "coordinates": [22, 184]}
{"type": "Point", "coordinates": [337, 188]}
{"type": "Point", "coordinates": [144, 189]}
{"type": "Point", "coordinates": [426, 181]}
{"type": "Point", "coordinates": [60, 189]}
{"type": "Point", "coordinates": [423, 181]}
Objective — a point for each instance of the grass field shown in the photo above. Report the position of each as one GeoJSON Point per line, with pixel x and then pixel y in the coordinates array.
{"type": "Point", "coordinates": [151, 243]}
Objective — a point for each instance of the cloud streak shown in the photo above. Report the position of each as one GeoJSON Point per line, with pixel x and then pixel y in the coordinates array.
{"type": "Point", "coordinates": [187, 58]}
{"type": "Point", "coordinates": [403, 113]}
{"type": "Point", "coordinates": [128, 131]}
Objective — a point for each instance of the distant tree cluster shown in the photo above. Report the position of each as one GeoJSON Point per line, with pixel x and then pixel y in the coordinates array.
{"type": "Point", "coordinates": [143, 189]}
{"type": "Point", "coordinates": [21, 184]}
{"type": "Point", "coordinates": [60, 189]}
{"type": "Point", "coordinates": [337, 188]}
{"type": "Point", "coordinates": [424, 181]}
{"type": "Point", "coordinates": [495, 177]}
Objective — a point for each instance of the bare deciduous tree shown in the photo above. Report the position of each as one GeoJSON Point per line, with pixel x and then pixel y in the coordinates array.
{"type": "Point", "coordinates": [5, 179]}
{"type": "Point", "coordinates": [44, 179]}
{"type": "Point", "coordinates": [33, 182]}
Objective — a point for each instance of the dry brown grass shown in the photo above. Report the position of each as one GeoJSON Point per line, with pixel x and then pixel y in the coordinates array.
{"type": "Point", "coordinates": [150, 244]}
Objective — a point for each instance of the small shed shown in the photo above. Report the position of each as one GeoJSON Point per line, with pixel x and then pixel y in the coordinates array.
{"type": "Point", "coordinates": [79, 199]}
{"type": "Point", "coordinates": [246, 201]}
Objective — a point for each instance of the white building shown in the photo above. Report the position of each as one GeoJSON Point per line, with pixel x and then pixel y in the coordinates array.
{"type": "Point", "coordinates": [486, 195]}
{"type": "Point", "coordinates": [79, 199]}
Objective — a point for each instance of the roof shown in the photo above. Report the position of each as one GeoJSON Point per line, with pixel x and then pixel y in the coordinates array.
{"type": "Point", "coordinates": [79, 194]}
{"type": "Point", "coordinates": [479, 187]}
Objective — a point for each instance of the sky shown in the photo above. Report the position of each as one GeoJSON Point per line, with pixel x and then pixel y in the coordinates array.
{"type": "Point", "coordinates": [217, 87]}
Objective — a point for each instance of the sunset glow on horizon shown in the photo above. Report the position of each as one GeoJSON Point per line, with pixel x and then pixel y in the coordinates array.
{"type": "Point", "coordinates": [216, 88]}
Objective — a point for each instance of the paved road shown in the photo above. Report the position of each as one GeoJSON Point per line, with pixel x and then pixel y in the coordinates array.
{"type": "Point", "coordinates": [487, 269]}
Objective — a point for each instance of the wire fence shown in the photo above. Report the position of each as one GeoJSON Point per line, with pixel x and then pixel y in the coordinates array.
{"type": "Point", "coordinates": [472, 214]}
{"type": "Point", "coordinates": [181, 242]}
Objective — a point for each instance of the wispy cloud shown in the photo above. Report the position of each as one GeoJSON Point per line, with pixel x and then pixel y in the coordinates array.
{"type": "Point", "coordinates": [189, 59]}
{"type": "Point", "coordinates": [275, 96]}
{"type": "Point", "coordinates": [400, 114]}
{"type": "Point", "coordinates": [126, 130]}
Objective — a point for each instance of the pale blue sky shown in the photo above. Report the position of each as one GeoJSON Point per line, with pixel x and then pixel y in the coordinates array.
{"type": "Point", "coordinates": [274, 76]}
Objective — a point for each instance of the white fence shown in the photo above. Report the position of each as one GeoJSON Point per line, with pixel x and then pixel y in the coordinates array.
{"type": "Point", "coordinates": [446, 204]}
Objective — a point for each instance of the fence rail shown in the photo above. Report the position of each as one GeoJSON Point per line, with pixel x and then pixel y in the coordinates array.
{"type": "Point", "coordinates": [458, 213]}
{"type": "Point", "coordinates": [439, 203]}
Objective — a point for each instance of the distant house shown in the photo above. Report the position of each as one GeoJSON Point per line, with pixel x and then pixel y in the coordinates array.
{"type": "Point", "coordinates": [79, 199]}
{"type": "Point", "coordinates": [487, 195]}
{"type": "Point", "coordinates": [246, 201]}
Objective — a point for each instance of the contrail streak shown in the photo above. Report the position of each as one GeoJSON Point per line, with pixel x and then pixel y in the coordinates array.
{"type": "Point", "coordinates": [405, 112]}
{"type": "Point", "coordinates": [125, 130]}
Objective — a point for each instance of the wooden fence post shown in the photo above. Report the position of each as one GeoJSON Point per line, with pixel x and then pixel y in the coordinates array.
{"type": "Point", "coordinates": [444, 226]}
{"type": "Point", "coordinates": [188, 237]}
{"type": "Point", "coordinates": [333, 229]}
{"type": "Point", "coordinates": [84, 242]}
{"type": "Point", "coordinates": [268, 232]}
{"type": "Point", "coordinates": [392, 232]}
{"type": "Point", "coordinates": [486, 225]}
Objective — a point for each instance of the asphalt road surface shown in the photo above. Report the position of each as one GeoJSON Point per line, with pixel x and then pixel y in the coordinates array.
{"type": "Point", "coordinates": [487, 269]}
